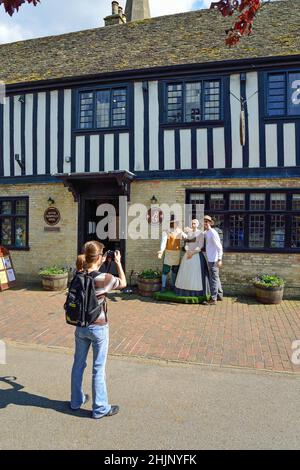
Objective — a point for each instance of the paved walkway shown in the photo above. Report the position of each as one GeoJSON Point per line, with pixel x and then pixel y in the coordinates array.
{"type": "Point", "coordinates": [236, 332]}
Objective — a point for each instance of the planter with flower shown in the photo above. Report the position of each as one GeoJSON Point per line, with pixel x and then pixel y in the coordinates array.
{"type": "Point", "coordinates": [149, 282]}
{"type": "Point", "coordinates": [269, 289]}
{"type": "Point", "coordinates": [54, 278]}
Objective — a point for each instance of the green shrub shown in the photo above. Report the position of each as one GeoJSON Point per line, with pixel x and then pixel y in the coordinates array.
{"type": "Point", "coordinates": [268, 281]}
{"type": "Point", "coordinates": [149, 274]}
{"type": "Point", "coordinates": [52, 270]}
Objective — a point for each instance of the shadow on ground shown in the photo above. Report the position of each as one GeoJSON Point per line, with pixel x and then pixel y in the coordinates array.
{"type": "Point", "coordinates": [15, 395]}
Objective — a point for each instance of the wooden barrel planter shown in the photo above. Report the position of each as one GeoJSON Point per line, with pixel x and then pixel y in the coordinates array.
{"type": "Point", "coordinates": [147, 287]}
{"type": "Point", "coordinates": [55, 282]}
{"type": "Point", "coordinates": [269, 295]}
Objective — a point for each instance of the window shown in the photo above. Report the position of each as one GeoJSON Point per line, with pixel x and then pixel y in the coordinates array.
{"type": "Point", "coordinates": [237, 201]}
{"type": "Point", "coordinates": [193, 101]}
{"type": "Point", "coordinates": [257, 201]}
{"type": "Point", "coordinates": [278, 202]}
{"type": "Point", "coordinates": [253, 220]}
{"type": "Point", "coordinates": [283, 94]}
{"type": "Point", "coordinates": [296, 232]}
{"type": "Point", "coordinates": [216, 202]}
{"type": "Point", "coordinates": [14, 222]}
{"type": "Point", "coordinates": [103, 109]}
{"type": "Point", "coordinates": [256, 231]}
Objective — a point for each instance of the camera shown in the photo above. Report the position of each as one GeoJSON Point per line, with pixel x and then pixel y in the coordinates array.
{"type": "Point", "coordinates": [110, 255]}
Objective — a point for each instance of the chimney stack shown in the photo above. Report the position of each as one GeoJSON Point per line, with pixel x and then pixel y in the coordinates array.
{"type": "Point", "coordinates": [137, 10]}
{"type": "Point", "coordinates": [117, 16]}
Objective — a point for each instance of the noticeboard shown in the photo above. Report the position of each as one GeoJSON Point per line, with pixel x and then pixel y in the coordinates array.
{"type": "Point", "coordinates": [7, 272]}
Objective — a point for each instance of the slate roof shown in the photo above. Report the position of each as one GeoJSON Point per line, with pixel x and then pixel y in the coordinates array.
{"type": "Point", "coordinates": [187, 38]}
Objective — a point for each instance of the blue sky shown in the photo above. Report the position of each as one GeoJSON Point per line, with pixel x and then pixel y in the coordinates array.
{"type": "Point", "coordinates": [56, 16]}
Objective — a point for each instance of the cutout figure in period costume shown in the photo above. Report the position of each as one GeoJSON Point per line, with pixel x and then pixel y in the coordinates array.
{"type": "Point", "coordinates": [170, 247]}
{"type": "Point", "coordinates": [193, 278]}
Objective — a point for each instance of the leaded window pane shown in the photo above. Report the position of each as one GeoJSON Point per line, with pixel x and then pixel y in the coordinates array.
{"type": "Point", "coordinates": [21, 207]}
{"type": "Point", "coordinates": [211, 100]}
{"type": "Point", "coordinates": [237, 201]}
{"type": "Point", "coordinates": [217, 202]}
{"type": "Point", "coordinates": [103, 109]}
{"type": "Point", "coordinates": [219, 226]}
{"type": "Point", "coordinates": [5, 207]}
{"type": "Point", "coordinates": [277, 231]}
{"type": "Point", "coordinates": [294, 94]}
{"type": "Point", "coordinates": [296, 232]}
{"type": "Point", "coordinates": [257, 201]}
{"type": "Point", "coordinates": [276, 94]}
{"type": "Point", "coordinates": [20, 235]}
{"type": "Point", "coordinates": [174, 112]}
{"type": "Point", "coordinates": [119, 105]}
{"type": "Point", "coordinates": [198, 198]}
{"type": "Point", "coordinates": [296, 202]}
{"type": "Point", "coordinates": [86, 110]}
{"type": "Point", "coordinates": [6, 231]}
{"type": "Point", "coordinates": [237, 231]}
{"type": "Point", "coordinates": [256, 231]}
{"type": "Point", "coordinates": [193, 102]}
{"type": "Point", "coordinates": [198, 202]}
{"type": "Point", "coordinates": [278, 201]}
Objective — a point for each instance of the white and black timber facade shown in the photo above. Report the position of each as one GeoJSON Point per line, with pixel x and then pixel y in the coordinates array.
{"type": "Point", "coordinates": [153, 107]}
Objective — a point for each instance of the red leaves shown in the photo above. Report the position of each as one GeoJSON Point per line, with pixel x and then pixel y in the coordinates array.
{"type": "Point", "coordinates": [11, 6]}
{"type": "Point", "coordinates": [244, 23]}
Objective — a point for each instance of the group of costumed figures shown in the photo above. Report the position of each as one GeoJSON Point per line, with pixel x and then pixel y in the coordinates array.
{"type": "Point", "coordinates": [197, 273]}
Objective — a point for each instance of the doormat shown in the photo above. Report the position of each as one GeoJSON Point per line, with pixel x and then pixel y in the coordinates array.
{"type": "Point", "coordinates": [170, 296]}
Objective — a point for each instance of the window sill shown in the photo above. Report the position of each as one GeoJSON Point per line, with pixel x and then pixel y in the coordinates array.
{"type": "Point", "coordinates": [262, 250]}
{"type": "Point", "coordinates": [17, 248]}
{"type": "Point", "coordinates": [281, 118]}
{"type": "Point", "coordinates": [191, 125]}
{"type": "Point", "coordinates": [106, 130]}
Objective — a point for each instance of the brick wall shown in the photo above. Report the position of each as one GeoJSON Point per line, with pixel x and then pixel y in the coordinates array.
{"type": "Point", "coordinates": [238, 268]}
{"type": "Point", "coordinates": [46, 248]}
{"type": "Point", "coordinates": [61, 248]}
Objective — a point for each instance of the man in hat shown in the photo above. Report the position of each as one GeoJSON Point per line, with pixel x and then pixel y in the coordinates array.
{"type": "Point", "coordinates": [214, 253]}
{"type": "Point", "coordinates": [170, 247]}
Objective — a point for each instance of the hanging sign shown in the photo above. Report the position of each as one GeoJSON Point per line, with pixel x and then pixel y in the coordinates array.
{"type": "Point", "coordinates": [155, 216]}
{"type": "Point", "coordinates": [7, 273]}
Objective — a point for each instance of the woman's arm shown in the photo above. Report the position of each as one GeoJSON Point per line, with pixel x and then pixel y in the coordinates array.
{"type": "Point", "coordinates": [121, 274]}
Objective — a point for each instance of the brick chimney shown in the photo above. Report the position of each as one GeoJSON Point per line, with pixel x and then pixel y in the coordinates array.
{"type": "Point", "coordinates": [117, 16]}
{"type": "Point", "coordinates": [137, 10]}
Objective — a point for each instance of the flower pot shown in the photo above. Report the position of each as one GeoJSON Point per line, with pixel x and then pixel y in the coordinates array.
{"type": "Point", "coordinates": [147, 287]}
{"type": "Point", "coordinates": [269, 295]}
{"type": "Point", "coordinates": [55, 282]}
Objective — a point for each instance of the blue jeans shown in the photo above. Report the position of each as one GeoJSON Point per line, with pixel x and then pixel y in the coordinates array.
{"type": "Point", "coordinates": [214, 281]}
{"type": "Point", "coordinates": [98, 337]}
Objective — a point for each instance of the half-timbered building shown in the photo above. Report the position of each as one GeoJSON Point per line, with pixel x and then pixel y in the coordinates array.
{"type": "Point", "coordinates": [152, 107]}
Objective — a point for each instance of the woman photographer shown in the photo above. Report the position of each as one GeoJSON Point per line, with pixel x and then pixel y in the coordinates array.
{"type": "Point", "coordinates": [96, 334]}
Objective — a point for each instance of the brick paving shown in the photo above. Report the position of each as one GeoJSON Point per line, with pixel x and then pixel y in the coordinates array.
{"type": "Point", "coordinates": [237, 332]}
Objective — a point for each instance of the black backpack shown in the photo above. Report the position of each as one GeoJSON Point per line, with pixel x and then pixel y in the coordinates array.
{"type": "Point", "coordinates": [82, 306]}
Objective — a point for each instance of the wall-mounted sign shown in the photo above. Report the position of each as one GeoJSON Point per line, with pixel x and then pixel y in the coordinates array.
{"type": "Point", "coordinates": [52, 216]}
{"type": "Point", "coordinates": [155, 216]}
{"type": "Point", "coordinates": [7, 273]}
{"type": "Point", "coordinates": [51, 229]}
